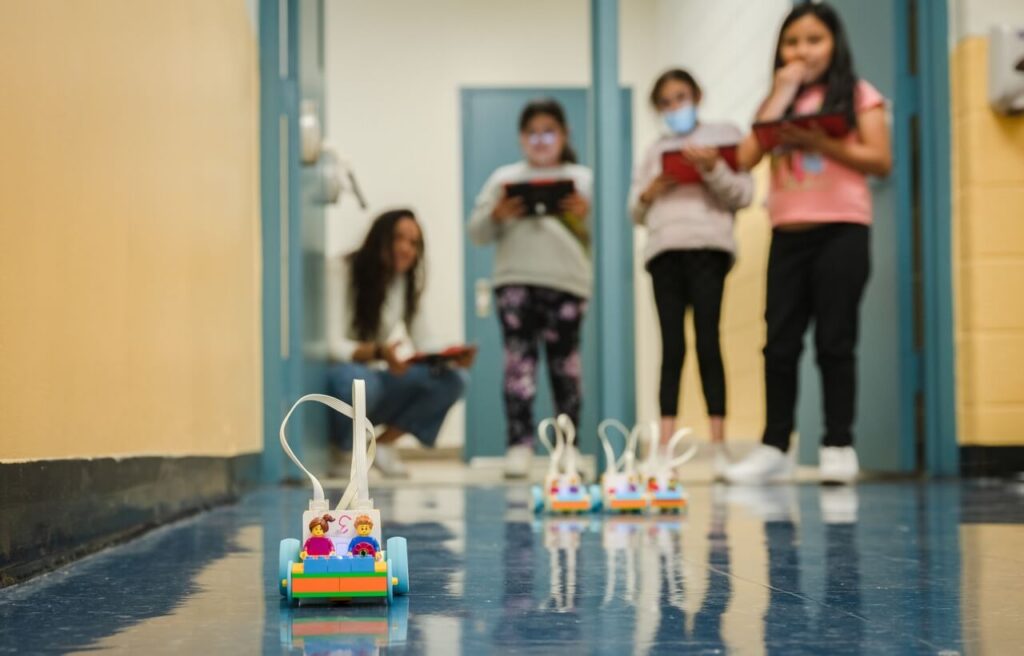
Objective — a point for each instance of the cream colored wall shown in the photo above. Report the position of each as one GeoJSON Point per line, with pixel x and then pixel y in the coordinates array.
{"type": "Point", "coordinates": [129, 229]}
{"type": "Point", "coordinates": [398, 121]}
{"type": "Point", "coordinates": [735, 79]}
{"type": "Point", "coordinates": [988, 224]}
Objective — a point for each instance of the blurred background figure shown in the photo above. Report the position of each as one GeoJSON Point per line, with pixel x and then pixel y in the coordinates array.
{"type": "Point", "coordinates": [690, 243]}
{"type": "Point", "coordinates": [372, 294]}
{"type": "Point", "coordinates": [542, 273]}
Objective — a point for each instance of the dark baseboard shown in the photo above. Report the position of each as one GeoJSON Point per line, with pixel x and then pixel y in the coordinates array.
{"type": "Point", "coordinates": [55, 511]}
{"type": "Point", "coordinates": [992, 461]}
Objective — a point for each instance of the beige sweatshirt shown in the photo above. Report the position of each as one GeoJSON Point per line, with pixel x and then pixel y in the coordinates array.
{"type": "Point", "coordinates": [691, 216]}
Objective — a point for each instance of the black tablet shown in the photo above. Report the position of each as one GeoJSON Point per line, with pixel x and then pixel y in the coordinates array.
{"type": "Point", "coordinates": [541, 197]}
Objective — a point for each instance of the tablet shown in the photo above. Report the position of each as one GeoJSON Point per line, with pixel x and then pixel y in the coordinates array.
{"type": "Point", "coordinates": [767, 132]}
{"type": "Point", "coordinates": [541, 197]}
{"type": "Point", "coordinates": [674, 164]}
{"type": "Point", "coordinates": [449, 354]}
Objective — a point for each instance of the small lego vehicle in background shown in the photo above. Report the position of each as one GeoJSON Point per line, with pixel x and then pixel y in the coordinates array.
{"type": "Point", "coordinates": [620, 489]}
{"type": "Point", "coordinates": [340, 556]}
{"type": "Point", "coordinates": [664, 491]}
{"type": "Point", "coordinates": [563, 490]}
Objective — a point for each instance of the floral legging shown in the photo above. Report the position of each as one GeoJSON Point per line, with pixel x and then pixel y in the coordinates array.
{"type": "Point", "coordinates": [530, 315]}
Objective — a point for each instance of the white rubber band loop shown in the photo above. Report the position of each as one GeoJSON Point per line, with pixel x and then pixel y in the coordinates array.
{"type": "Point", "coordinates": [358, 483]}
{"type": "Point", "coordinates": [611, 464]}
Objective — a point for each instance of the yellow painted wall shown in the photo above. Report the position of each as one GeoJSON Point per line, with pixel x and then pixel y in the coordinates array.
{"type": "Point", "coordinates": [988, 224]}
{"type": "Point", "coordinates": [742, 329]}
{"type": "Point", "coordinates": [989, 615]}
{"type": "Point", "coordinates": [129, 229]}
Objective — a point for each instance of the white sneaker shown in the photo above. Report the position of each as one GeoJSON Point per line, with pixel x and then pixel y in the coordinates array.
{"type": "Point", "coordinates": [839, 464]}
{"type": "Point", "coordinates": [720, 461]}
{"type": "Point", "coordinates": [388, 462]}
{"type": "Point", "coordinates": [517, 461]}
{"type": "Point", "coordinates": [765, 464]}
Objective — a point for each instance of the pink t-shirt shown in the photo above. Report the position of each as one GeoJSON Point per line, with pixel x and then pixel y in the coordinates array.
{"type": "Point", "coordinates": [319, 546]}
{"type": "Point", "coordinates": [810, 188]}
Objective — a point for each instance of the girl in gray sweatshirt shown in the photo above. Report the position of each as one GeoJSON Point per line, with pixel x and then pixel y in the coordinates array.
{"type": "Point", "coordinates": [542, 271]}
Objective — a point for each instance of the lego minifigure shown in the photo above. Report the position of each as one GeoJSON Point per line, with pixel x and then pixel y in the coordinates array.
{"type": "Point", "coordinates": [364, 544]}
{"type": "Point", "coordinates": [318, 544]}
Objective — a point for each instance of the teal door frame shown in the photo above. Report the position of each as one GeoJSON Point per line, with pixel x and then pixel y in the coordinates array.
{"type": "Point", "coordinates": [942, 453]}
{"type": "Point", "coordinates": [613, 231]}
{"type": "Point", "coordinates": [290, 55]}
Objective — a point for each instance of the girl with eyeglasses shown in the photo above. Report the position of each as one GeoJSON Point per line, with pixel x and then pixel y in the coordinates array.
{"type": "Point", "coordinates": [542, 268]}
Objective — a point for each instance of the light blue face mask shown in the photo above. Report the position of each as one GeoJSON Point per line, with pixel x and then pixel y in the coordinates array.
{"type": "Point", "coordinates": [682, 120]}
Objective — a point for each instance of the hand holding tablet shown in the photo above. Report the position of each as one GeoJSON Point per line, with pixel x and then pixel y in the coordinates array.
{"type": "Point", "coordinates": [770, 134]}
{"type": "Point", "coordinates": [541, 197]}
{"type": "Point", "coordinates": [677, 166]}
{"type": "Point", "coordinates": [461, 356]}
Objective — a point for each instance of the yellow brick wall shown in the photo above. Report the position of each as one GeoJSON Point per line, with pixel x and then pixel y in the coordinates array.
{"type": "Point", "coordinates": [129, 229]}
{"type": "Point", "coordinates": [988, 226]}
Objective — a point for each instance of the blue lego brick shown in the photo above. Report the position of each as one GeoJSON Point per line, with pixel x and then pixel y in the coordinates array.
{"type": "Point", "coordinates": [362, 564]}
{"type": "Point", "coordinates": [339, 564]}
{"type": "Point", "coordinates": [313, 565]}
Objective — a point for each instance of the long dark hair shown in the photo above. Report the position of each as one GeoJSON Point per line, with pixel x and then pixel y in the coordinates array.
{"type": "Point", "coordinates": [372, 270]}
{"type": "Point", "coordinates": [679, 75]}
{"type": "Point", "coordinates": [840, 79]}
{"type": "Point", "coordinates": [549, 107]}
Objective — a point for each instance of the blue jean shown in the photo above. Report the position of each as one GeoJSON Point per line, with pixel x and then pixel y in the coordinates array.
{"type": "Point", "coordinates": [416, 402]}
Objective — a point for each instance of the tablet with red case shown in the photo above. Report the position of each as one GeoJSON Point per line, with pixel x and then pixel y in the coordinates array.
{"type": "Point", "coordinates": [449, 354]}
{"type": "Point", "coordinates": [674, 164]}
{"type": "Point", "coordinates": [767, 132]}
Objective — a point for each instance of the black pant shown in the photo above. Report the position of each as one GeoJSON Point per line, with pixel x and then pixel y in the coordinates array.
{"type": "Point", "coordinates": [682, 279]}
{"type": "Point", "coordinates": [817, 274]}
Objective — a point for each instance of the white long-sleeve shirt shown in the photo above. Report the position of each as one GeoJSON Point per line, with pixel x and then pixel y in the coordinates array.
{"type": "Point", "coordinates": [691, 216]}
{"type": "Point", "coordinates": [341, 338]}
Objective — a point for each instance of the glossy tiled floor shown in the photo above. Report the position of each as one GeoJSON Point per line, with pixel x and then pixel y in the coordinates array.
{"type": "Point", "coordinates": [916, 568]}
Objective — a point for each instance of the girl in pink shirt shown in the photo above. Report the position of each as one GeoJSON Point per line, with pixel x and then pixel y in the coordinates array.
{"type": "Point", "coordinates": [820, 208]}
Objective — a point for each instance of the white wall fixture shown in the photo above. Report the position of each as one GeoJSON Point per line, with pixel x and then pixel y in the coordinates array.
{"type": "Point", "coordinates": [310, 133]}
{"type": "Point", "coordinates": [337, 176]}
{"type": "Point", "coordinates": [1006, 69]}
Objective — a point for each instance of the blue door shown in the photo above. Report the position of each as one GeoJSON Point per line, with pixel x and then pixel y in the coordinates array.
{"type": "Point", "coordinates": [490, 139]}
{"type": "Point", "coordinates": [888, 385]}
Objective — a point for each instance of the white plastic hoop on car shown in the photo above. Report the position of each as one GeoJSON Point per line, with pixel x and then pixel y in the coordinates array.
{"type": "Point", "coordinates": [626, 463]}
{"type": "Point", "coordinates": [568, 430]}
{"type": "Point", "coordinates": [362, 453]}
{"type": "Point", "coordinates": [556, 448]}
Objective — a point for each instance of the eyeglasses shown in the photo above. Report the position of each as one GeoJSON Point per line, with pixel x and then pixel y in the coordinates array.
{"type": "Point", "coordinates": [547, 138]}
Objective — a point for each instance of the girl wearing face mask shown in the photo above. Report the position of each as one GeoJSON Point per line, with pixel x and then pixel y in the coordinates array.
{"type": "Point", "coordinates": [820, 207]}
{"type": "Point", "coordinates": [690, 245]}
{"type": "Point", "coordinates": [542, 273]}
{"type": "Point", "coordinates": [371, 293]}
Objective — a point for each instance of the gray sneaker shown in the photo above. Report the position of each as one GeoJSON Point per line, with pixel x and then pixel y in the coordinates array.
{"type": "Point", "coordinates": [388, 462]}
{"type": "Point", "coordinates": [517, 461]}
